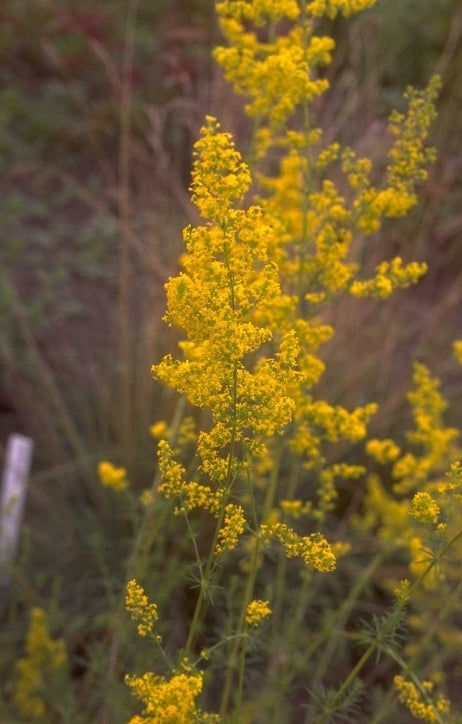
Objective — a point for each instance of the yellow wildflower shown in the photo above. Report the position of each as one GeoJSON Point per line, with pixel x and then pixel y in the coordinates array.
{"type": "Point", "coordinates": [418, 702]}
{"type": "Point", "coordinates": [141, 610]}
{"type": "Point", "coordinates": [45, 657]}
{"type": "Point", "coordinates": [390, 275]}
{"type": "Point", "coordinates": [384, 451]}
{"type": "Point", "coordinates": [408, 155]}
{"type": "Point", "coordinates": [169, 700]}
{"type": "Point", "coordinates": [314, 550]}
{"type": "Point", "coordinates": [159, 430]}
{"type": "Point", "coordinates": [295, 508]}
{"type": "Point", "coordinates": [424, 508]}
{"type": "Point", "coordinates": [232, 528]}
{"type": "Point", "coordinates": [112, 477]}
{"type": "Point", "coordinates": [330, 8]}
{"type": "Point", "coordinates": [256, 611]}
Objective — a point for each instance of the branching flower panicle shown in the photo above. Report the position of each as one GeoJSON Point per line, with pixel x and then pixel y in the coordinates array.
{"type": "Point", "coordinates": [276, 243]}
{"type": "Point", "coordinates": [419, 703]}
{"type": "Point", "coordinates": [141, 610]}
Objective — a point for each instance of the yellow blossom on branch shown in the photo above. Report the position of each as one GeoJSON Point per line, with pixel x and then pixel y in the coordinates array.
{"type": "Point", "coordinates": [424, 508]}
{"type": "Point", "coordinates": [384, 451]}
{"type": "Point", "coordinates": [141, 610]}
{"type": "Point", "coordinates": [389, 276]}
{"type": "Point", "coordinates": [159, 430]}
{"type": "Point", "coordinates": [232, 529]}
{"type": "Point", "coordinates": [314, 550]}
{"type": "Point", "coordinates": [295, 508]}
{"type": "Point", "coordinates": [330, 8]}
{"type": "Point", "coordinates": [170, 700]}
{"type": "Point", "coordinates": [223, 302]}
{"type": "Point", "coordinates": [418, 702]}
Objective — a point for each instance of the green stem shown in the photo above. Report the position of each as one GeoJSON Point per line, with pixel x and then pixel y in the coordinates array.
{"type": "Point", "coordinates": [242, 628]}
{"type": "Point", "coordinates": [435, 561]}
{"type": "Point", "coordinates": [240, 639]}
{"type": "Point", "coordinates": [377, 643]}
{"type": "Point", "coordinates": [341, 617]}
{"type": "Point", "coordinates": [239, 642]}
{"type": "Point", "coordinates": [436, 623]}
{"type": "Point", "coordinates": [325, 716]}
{"type": "Point", "coordinates": [415, 680]}
{"type": "Point", "coordinates": [204, 595]}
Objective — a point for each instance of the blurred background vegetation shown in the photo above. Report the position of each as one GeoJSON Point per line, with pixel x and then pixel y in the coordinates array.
{"type": "Point", "coordinates": [99, 107]}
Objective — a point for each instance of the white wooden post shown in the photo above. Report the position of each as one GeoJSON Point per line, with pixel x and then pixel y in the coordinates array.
{"type": "Point", "coordinates": [13, 497]}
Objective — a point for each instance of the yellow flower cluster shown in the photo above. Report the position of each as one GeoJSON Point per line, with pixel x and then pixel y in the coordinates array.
{"type": "Point", "coordinates": [141, 610]}
{"type": "Point", "coordinates": [383, 511]}
{"type": "Point", "coordinates": [417, 701]}
{"type": "Point", "coordinates": [408, 155]}
{"type": "Point", "coordinates": [314, 550]}
{"type": "Point", "coordinates": [390, 275]}
{"type": "Point", "coordinates": [170, 700]}
{"type": "Point", "coordinates": [401, 592]}
{"type": "Point", "coordinates": [330, 8]}
{"type": "Point", "coordinates": [217, 159]}
{"type": "Point", "coordinates": [159, 430]}
{"type": "Point", "coordinates": [327, 491]}
{"type": "Point", "coordinates": [259, 10]}
{"type": "Point", "coordinates": [424, 523]}
{"type": "Point", "coordinates": [226, 280]}
{"type": "Point", "coordinates": [304, 208]}
{"type": "Point", "coordinates": [224, 301]}
{"type": "Point", "coordinates": [309, 225]}
{"type": "Point", "coordinates": [256, 611]}
{"type": "Point", "coordinates": [318, 422]}
{"type": "Point", "coordinates": [44, 658]}
{"type": "Point", "coordinates": [112, 477]}
{"type": "Point", "coordinates": [430, 434]}
{"type": "Point", "coordinates": [337, 423]}
{"type": "Point", "coordinates": [279, 66]}
{"type": "Point", "coordinates": [384, 451]}
{"type": "Point", "coordinates": [191, 494]}
{"type": "Point", "coordinates": [232, 528]}
{"type": "Point", "coordinates": [424, 508]}
{"type": "Point", "coordinates": [295, 508]}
